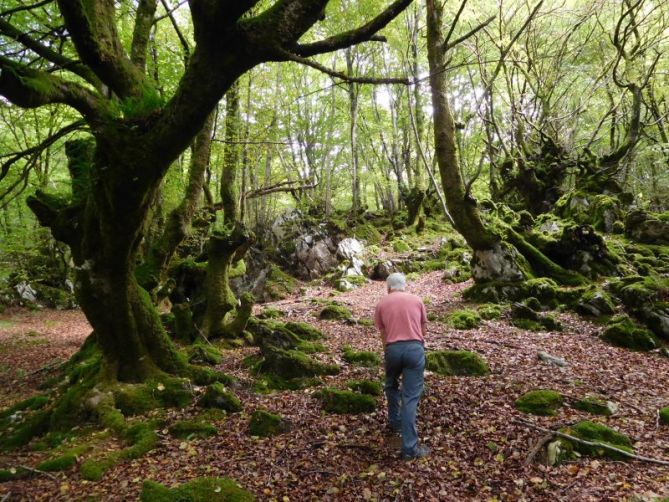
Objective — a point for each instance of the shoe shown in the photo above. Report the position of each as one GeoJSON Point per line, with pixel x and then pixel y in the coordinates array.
{"type": "Point", "coordinates": [421, 452]}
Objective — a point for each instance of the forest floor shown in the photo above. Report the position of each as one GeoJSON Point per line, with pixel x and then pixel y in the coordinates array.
{"type": "Point", "coordinates": [479, 445]}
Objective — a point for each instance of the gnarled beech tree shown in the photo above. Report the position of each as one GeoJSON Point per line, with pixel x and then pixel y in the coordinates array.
{"type": "Point", "coordinates": [494, 258]}
{"type": "Point", "coordinates": [137, 135]}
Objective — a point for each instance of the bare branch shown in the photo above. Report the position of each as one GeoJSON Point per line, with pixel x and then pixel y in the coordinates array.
{"type": "Point", "coordinates": [342, 76]}
{"type": "Point", "coordinates": [470, 33]}
{"type": "Point", "coordinates": [182, 39]}
{"type": "Point", "coordinates": [454, 23]}
{"type": "Point", "coordinates": [9, 12]}
{"type": "Point", "coordinates": [361, 34]}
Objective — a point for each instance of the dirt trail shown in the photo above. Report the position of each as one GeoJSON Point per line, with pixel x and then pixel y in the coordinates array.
{"type": "Point", "coordinates": [478, 447]}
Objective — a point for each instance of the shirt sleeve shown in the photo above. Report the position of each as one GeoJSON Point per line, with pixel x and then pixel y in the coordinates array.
{"type": "Point", "coordinates": [378, 322]}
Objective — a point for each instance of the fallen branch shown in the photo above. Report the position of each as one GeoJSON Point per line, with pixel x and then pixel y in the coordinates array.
{"type": "Point", "coordinates": [594, 443]}
{"type": "Point", "coordinates": [37, 471]}
{"type": "Point", "coordinates": [543, 441]}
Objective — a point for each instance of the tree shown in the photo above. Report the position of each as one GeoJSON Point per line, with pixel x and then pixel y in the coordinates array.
{"type": "Point", "coordinates": [136, 135]}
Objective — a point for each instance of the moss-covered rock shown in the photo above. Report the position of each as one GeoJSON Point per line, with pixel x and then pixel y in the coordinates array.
{"type": "Point", "coordinates": [369, 233]}
{"type": "Point", "coordinates": [217, 396]}
{"type": "Point", "coordinates": [400, 246]}
{"type": "Point", "coordinates": [464, 319]}
{"type": "Point", "coordinates": [601, 434]}
{"type": "Point", "coordinates": [203, 353]}
{"type": "Point", "coordinates": [362, 357]}
{"type": "Point", "coordinates": [369, 387]}
{"type": "Point", "coordinates": [490, 311]}
{"type": "Point", "coordinates": [649, 228]}
{"type": "Point", "coordinates": [664, 415]}
{"type": "Point", "coordinates": [191, 429]}
{"type": "Point", "coordinates": [304, 330]}
{"type": "Point", "coordinates": [623, 332]}
{"type": "Point", "coordinates": [291, 364]}
{"type": "Point", "coordinates": [456, 363]}
{"type": "Point", "coordinates": [524, 317]}
{"type": "Point", "coordinates": [345, 401]}
{"type": "Point", "coordinates": [595, 302]}
{"type": "Point", "coordinates": [540, 402]}
{"type": "Point", "coordinates": [61, 463]}
{"type": "Point", "coordinates": [334, 311]}
{"type": "Point", "coordinates": [270, 313]}
{"type": "Point", "coordinates": [279, 284]}
{"type": "Point", "coordinates": [266, 424]}
{"type": "Point", "coordinates": [198, 490]}
{"type": "Point", "coordinates": [596, 405]}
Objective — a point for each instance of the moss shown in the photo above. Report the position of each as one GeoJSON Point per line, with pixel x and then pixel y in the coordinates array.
{"type": "Point", "coordinates": [464, 319]}
{"type": "Point", "coordinates": [270, 313]}
{"type": "Point", "coordinates": [664, 415]}
{"type": "Point", "coordinates": [32, 403]}
{"type": "Point", "coordinates": [290, 364]}
{"type": "Point", "coordinates": [400, 246]}
{"type": "Point", "coordinates": [595, 302]}
{"type": "Point", "coordinates": [266, 424]}
{"type": "Point", "coordinates": [623, 332]}
{"type": "Point", "coordinates": [595, 432]}
{"type": "Point", "coordinates": [334, 311]}
{"type": "Point", "coordinates": [345, 401]}
{"type": "Point", "coordinates": [490, 311]}
{"type": "Point", "coordinates": [369, 233]}
{"type": "Point", "coordinates": [304, 330]}
{"type": "Point", "coordinates": [362, 358]}
{"type": "Point", "coordinates": [217, 396]}
{"type": "Point", "coordinates": [540, 402]}
{"type": "Point", "coordinates": [524, 317]}
{"type": "Point", "coordinates": [457, 363]}
{"type": "Point", "coordinates": [93, 470]}
{"type": "Point", "coordinates": [197, 490]}
{"type": "Point", "coordinates": [61, 463]}
{"type": "Point", "coordinates": [369, 387]}
{"type": "Point", "coordinates": [137, 399]}
{"type": "Point", "coordinates": [279, 285]}
{"type": "Point", "coordinates": [268, 383]}
{"type": "Point", "coordinates": [13, 473]}
{"type": "Point", "coordinates": [32, 426]}
{"type": "Point", "coordinates": [595, 405]}
{"type": "Point", "coordinates": [189, 429]}
{"type": "Point", "coordinates": [201, 353]}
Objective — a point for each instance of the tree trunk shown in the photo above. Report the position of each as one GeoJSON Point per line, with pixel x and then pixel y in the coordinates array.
{"type": "Point", "coordinates": [491, 260]}
{"type": "Point", "coordinates": [353, 90]}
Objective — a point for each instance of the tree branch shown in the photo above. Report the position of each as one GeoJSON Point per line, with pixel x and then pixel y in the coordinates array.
{"type": "Point", "coordinates": [140, 35]}
{"type": "Point", "coordinates": [61, 61]}
{"type": "Point", "coordinates": [20, 8]}
{"type": "Point", "coordinates": [31, 88]}
{"type": "Point", "coordinates": [364, 33]}
{"type": "Point", "coordinates": [446, 46]}
{"type": "Point", "coordinates": [92, 26]}
{"type": "Point", "coordinates": [342, 76]}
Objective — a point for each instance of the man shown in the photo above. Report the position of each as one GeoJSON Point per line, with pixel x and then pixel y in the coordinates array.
{"type": "Point", "coordinates": [402, 321]}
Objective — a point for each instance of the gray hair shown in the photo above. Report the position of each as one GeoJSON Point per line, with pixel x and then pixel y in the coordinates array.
{"type": "Point", "coordinates": [396, 281]}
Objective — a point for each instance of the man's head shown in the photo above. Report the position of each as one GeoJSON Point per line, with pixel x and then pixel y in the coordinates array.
{"type": "Point", "coordinates": [396, 282]}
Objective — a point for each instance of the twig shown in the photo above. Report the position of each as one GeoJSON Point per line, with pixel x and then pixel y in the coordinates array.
{"type": "Point", "coordinates": [37, 471]}
{"type": "Point", "coordinates": [543, 441]}
{"type": "Point", "coordinates": [6, 497]}
{"type": "Point", "coordinates": [53, 364]}
{"type": "Point", "coordinates": [595, 443]}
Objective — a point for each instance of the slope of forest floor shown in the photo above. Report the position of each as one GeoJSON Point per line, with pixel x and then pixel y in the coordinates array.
{"type": "Point", "coordinates": [479, 448]}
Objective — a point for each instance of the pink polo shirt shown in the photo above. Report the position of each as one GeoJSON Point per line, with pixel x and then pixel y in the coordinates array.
{"type": "Point", "coordinates": [401, 315]}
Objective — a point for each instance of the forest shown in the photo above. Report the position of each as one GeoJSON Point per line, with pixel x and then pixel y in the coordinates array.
{"type": "Point", "coordinates": [200, 202]}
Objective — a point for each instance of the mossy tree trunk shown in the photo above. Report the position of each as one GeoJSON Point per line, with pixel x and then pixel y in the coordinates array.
{"type": "Point", "coordinates": [494, 259]}
{"type": "Point", "coordinates": [137, 135]}
{"type": "Point", "coordinates": [224, 315]}
{"type": "Point", "coordinates": [153, 271]}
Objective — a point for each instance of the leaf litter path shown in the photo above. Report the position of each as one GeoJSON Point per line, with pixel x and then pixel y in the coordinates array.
{"type": "Point", "coordinates": [478, 449]}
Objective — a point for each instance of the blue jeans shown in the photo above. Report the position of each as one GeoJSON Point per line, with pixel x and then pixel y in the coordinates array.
{"type": "Point", "coordinates": [405, 359]}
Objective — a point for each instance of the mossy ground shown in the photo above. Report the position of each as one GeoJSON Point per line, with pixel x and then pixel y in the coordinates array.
{"type": "Point", "coordinates": [599, 433]}
{"type": "Point", "coordinates": [624, 332]}
{"type": "Point", "coordinates": [664, 415]}
{"type": "Point", "coordinates": [334, 312]}
{"type": "Point", "coordinates": [369, 387]}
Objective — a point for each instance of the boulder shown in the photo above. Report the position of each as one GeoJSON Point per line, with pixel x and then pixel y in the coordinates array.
{"type": "Point", "coordinates": [649, 228]}
{"type": "Point", "coordinates": [540, 402]}
{"type": "Point", "coordinates": [383, 269]}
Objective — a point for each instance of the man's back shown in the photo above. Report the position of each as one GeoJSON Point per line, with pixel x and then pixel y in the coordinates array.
{"type": "Point", "coordinates": [401, 316]}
